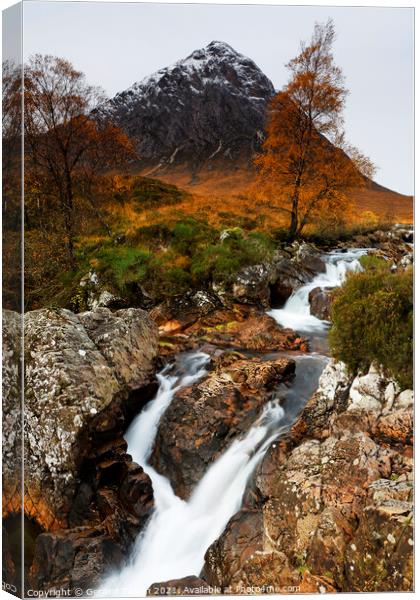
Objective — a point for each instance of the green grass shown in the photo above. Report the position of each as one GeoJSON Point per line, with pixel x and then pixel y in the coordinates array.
{"type": "Point", "coordinates": [168, 260]}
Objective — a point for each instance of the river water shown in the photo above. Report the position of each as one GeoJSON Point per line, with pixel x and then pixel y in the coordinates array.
{"type": "Point", "coordinates": [179, 531]}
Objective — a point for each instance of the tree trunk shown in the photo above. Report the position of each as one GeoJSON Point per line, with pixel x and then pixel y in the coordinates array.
{"type": "Point", "coordinates": [67, 203]}
{"type": "Point", "coordinates": [294, 219]}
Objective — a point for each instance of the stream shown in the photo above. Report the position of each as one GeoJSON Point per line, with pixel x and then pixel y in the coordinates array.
{"type": "Point", "coordinates": [174, 542]}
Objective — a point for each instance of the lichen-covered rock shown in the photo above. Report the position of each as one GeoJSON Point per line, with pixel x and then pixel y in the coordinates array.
{"type": "Point", "coordinates": [203, 419]}
{"type": "Point", "coordinates": [12, 410]}
{"type": "Point", "coordinates": [93, 294]}
{"type": "Point", "coordinates": [331, 508]}
{"type": "Point", "coordinates": [307, 256]}
{"type": "Point", "coordinates": [77, 367]}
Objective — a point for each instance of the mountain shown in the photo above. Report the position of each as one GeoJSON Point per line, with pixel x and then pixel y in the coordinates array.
{"type": "Point", "coordinates": [206, 109]}
{"type": "Point", "coordinates": [198, 123]}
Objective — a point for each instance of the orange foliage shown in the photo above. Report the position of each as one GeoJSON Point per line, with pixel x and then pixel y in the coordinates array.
{"type": "Point", "coordinates": [305, 163]}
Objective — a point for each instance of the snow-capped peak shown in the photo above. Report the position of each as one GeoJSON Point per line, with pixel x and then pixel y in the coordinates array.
{"type": "Point", "coordinates": [208, 106]}
{"type": "Point", "coordinates": [215, 63]}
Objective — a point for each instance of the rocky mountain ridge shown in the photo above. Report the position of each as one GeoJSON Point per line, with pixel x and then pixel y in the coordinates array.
{"type": "Point", "coordinates": [207, 107]}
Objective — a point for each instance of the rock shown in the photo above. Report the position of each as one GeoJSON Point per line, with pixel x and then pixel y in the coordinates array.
{"type": "Point", "coordinates": [227, 93]}
{"type": "Point", "coordinates": [12, 413]}
{"type": "Point", "coordinates": [251, 286]}
{"type": "Point", "coordinates": [320, 300]}
{"type": "Point", "coordinates": [331, 503]}
{"type": "Point", "coordinates": [180, 313]}
{"type": "Point", "coordinates": [406, 261]}
{"type": "Point", "coordinates": [79, 370]}
{"type": "Point", "coordinates": [330, 399]}
{"type": "Point", "coordinates": [93, 294]}
{"type": "Point", "coordinates": [203, 419]}
{"type": "Point", "coordinates": [381, 554]}
{"type": "Point", "coordinates": [307, 256]}
{"type": "Point", "coordinates": [73, 559]}
{"type": "Point", "coordinates": [84, 376]}
{"type": "Point", "coordinates": [240, 326]}
{"type": "Point", "coordinates": [287, 277]}
{"type": "Point", "coordinates": [228, 555]}
{"type": "Point", "coordinates": [377, 393]}
{"type": "Point", "coordinates": [246, 330]}
{"type": "Point", "coordinates": [187, 586]}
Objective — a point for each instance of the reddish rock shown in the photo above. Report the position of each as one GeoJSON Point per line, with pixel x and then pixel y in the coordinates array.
{"type": "Point", "coordinates": [203, 419]}
{"type": "Point", "coordinates": [187, 586]}
{"type": "Point", "coordinates": [331, 503]}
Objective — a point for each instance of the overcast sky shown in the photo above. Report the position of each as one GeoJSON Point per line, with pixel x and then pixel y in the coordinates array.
{"type": "Point", "coordinates": [118, 44]}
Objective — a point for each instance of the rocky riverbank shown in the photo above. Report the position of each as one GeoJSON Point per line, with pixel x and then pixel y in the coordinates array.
{"type": "Point", "coordinates": [332, 503]}
{"type": "Point", "coordinates": [87, 375]}
{"type": "Point", "coordinates": [343, 471]}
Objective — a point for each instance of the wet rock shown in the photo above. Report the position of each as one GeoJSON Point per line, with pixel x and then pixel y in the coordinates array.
{"type": "Point", "coordinates": [186, 586]}
{"type": "Point", "coordinates": [203, 419]}
{"type": "Point", "coordinates": [73, 559]}
{"type": "Point", "coordinates": [288, 276]}
{"type": "Point", "coordinates": [226, 559]}
{"type": "Point", "coordinates": [251, 286]}
{"type": "Point", "coordinates": [307, 256]}
{"type": "Point", "coordinates": [240, 326]}
{"type": "Point", "coordinates": [332, 501]}
{"type": "Point", "coordinates": [320, 300]}
{"type": "Point", "coordinates": [247, 330]}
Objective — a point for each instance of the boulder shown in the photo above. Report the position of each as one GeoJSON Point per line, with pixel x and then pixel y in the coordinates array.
{"type": "Point", "coordinates": [86, 375]}
{"type": "Point", "coordinates": [308, 257]}
{"type": "Point", "coordinates": [251, 286]}
{"type": "Point", "coordinates": [79, 371]}
{"type": "Point", "coordinates": [202, 420]}
{"type": "Point", "coordinates": [95, 293]}
{"type": "Point", "coordinates": [186, 586]}
{"type": "Point", "coordinates": [180, 313]}
{"type": "Point", "coordinates": [287, 277]}
{"type": "Point", "coordinates": [11, 410]}
{"type": "Point", "coordinates": [331, 508]}
{"type": "Point", "coordinates": [320, 300]}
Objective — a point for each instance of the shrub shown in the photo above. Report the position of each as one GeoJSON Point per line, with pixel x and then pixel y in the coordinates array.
{"type": "Point", "coordinates": [222, 260]}
{"type": "Point", "coordinates": [372, 321]}
{"type": "Point", "coordinates": [121, 265]}
{"type": "Point", "coordinates": [371, 262]}
{"type": "Point", "coordinates": [189, 235]}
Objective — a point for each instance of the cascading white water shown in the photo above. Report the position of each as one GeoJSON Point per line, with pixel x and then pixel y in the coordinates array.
{"type": "Point", "coordinates": [179, 532]}
{"type": "Point", "coordinates": [296, 312]}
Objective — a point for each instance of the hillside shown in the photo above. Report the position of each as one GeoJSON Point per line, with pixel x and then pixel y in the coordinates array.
{"type": "Point", "coordinates": [199, 122]}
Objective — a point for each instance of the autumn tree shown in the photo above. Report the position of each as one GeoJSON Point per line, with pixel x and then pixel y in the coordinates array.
{"type": "Point", "coordinates": [305, 162]}
{"type": "Point", "coordinates": [66, 148]}
{"type": "Point", "coordinates": [11, 184]}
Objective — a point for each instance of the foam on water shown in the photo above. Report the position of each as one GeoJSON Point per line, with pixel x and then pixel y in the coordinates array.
{"type": "Point", "coordinates": [296, 312]}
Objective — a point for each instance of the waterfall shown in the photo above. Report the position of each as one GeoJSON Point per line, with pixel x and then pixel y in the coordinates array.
{"type": "Point", "coordinates": [174, 541]}
{"type": "Point", "coordinates": [296, 312]}
{"type": "Point", "coordinates": [179, 532]}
